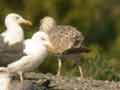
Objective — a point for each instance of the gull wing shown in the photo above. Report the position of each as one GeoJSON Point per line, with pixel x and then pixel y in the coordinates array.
{"type": "Point", "coordinates": [23, 64]}
{"type": "Point", "coordinates": [64, 37]}
{"type": "Point", "coordinates": [8, 53]}
{"type": "Point", "coordinates": [77, 50]}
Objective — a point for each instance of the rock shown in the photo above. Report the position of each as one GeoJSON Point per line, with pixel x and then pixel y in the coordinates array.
{"type": "Point", "coordinates": [39, 81]}
{"type": "Point", "coordinates": [72, 83]}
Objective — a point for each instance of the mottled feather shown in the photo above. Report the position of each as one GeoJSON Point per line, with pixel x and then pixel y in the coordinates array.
{"type": "Point", "coordinates": [65, 37]}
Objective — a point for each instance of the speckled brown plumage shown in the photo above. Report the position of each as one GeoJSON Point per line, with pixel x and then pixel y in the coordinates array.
{"type": "Point", "coordinates": [65, 37]}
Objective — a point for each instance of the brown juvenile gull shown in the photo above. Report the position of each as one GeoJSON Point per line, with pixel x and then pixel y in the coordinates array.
{"type": "Point", "coordinates": [36, 50]}
{"type": "Point", "coordinates": [63, 37]}
{"type": "Point", "coordinates": [11, 39]}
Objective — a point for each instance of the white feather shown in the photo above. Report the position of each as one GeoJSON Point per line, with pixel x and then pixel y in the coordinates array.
{"type": "Point", "coordinates": [14, 32]}
{"type": "Point", "coordinates": [36, 51]}
{"type": "Point", "coordinates": [4, 81]}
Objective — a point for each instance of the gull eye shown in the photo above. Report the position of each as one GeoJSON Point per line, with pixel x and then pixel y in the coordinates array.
{"type": "Point", "coordinates": [43, 38]}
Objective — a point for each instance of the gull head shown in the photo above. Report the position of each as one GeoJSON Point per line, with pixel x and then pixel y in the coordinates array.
{"type": "Point", "coordinates": [16, 19]}
{"type": "Point", "coordinates": [43, 38]}
{"type": "Point", "coordinates": [47, 23]}
{"type": "Point", "coordinates": [14, 32]}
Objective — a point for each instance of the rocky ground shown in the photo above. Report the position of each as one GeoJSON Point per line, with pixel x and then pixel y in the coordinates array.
{"type": "Point", "coordinates": [51, 82]}
{"type": "Point", "coordinates": [38, 81]}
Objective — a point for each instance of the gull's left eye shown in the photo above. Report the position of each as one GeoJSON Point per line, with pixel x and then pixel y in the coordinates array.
{"type": "Point", "coordinates": [42, 38]}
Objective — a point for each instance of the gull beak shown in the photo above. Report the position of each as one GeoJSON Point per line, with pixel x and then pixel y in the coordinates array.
{"type": "Point", "coordinates": [50, 46]}
{"type": "Point", "coordinates": [24, 21]}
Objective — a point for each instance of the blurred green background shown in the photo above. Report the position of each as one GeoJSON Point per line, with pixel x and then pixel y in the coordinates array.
{"type": "Point", "coordinates": [99, 20]}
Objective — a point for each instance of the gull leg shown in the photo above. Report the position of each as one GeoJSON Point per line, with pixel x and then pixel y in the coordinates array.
{"type": "Point", "coordinates": [59, 67]}
{"type": "Point", "coordinates": [78, 63]}
{"type": "Point", "coordinates": [21, 76]}
{"type": "Point", "coordinates": [80, 71]}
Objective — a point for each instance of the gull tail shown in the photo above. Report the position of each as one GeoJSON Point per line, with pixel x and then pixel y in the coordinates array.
{"type": "Point", "coordinates": [77, 50]}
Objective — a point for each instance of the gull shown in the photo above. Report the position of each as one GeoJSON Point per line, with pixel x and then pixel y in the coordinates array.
{"type": "Point", "coordinates": [11, 39]}
{"type": "Point", "coordinates": [63, 37]}
{"type": "Point", "coordinates": [36, 49]}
